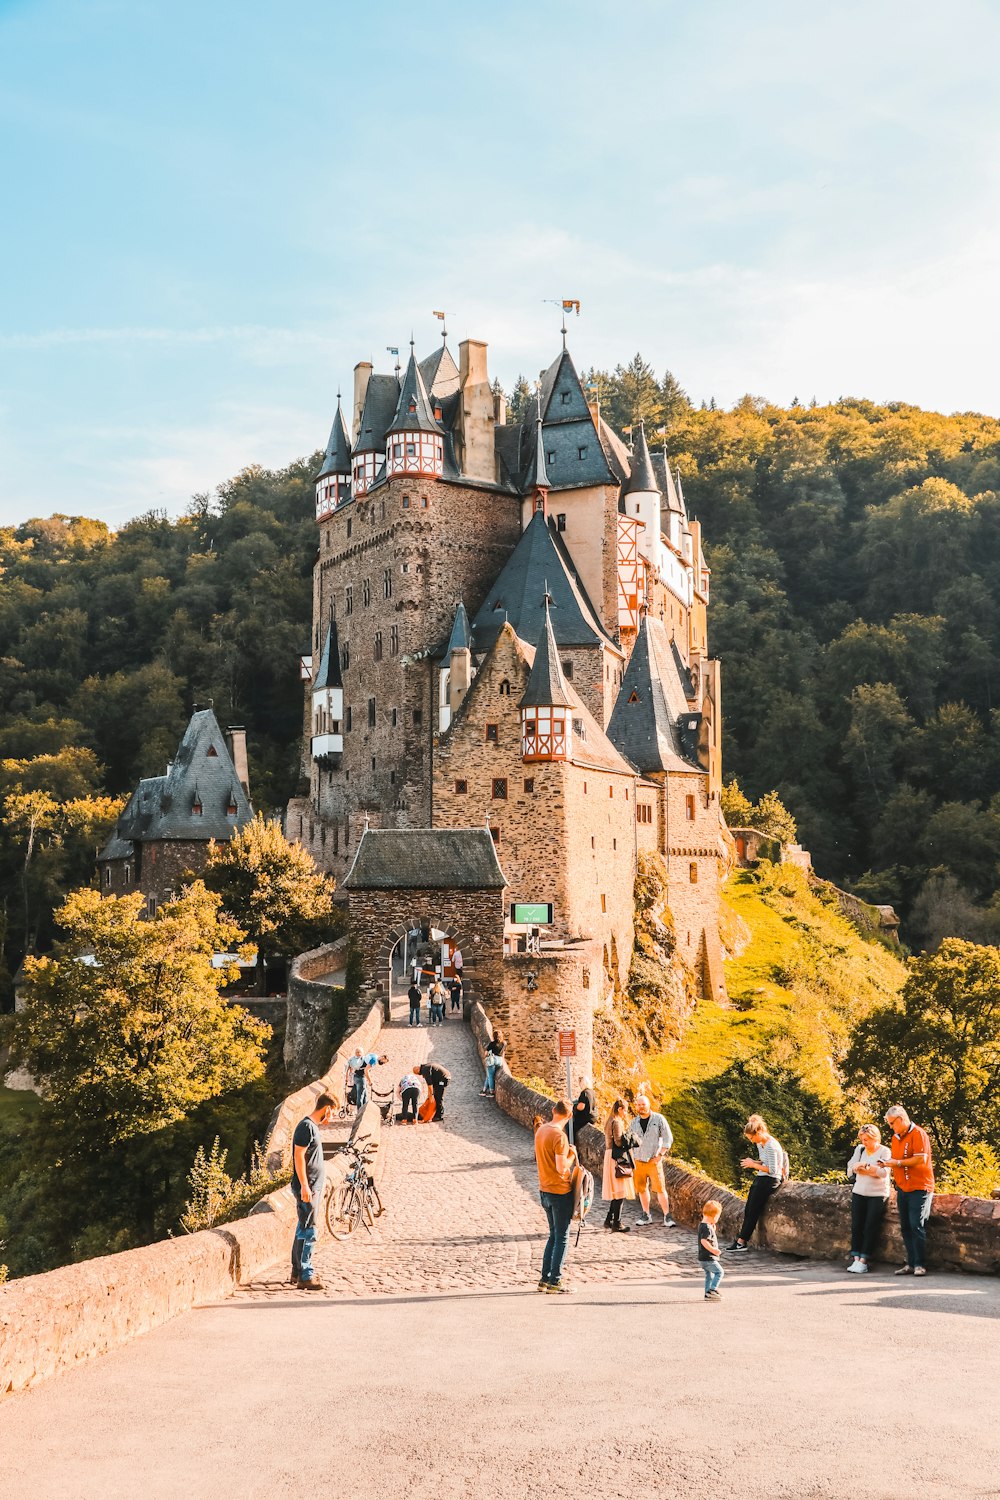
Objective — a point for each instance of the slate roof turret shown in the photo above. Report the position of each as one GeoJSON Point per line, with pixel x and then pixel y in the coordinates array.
{"type": "Point", "coordinates": [461, 633]}
{"type": "Point", "coordinates": [546, 684]}
{"type": "Point", "coordinates": [653, 697]}
{"type": "Point", "coordinates": [337, 458]}
{"type": "Point", "coordinates": [328, 675]}
{"type": "Point", "coordinates": [413, 409]}
{"type": "Point", "coordinates": [376, 414]}
{"type": "Point", "coordinates": [642, 479]}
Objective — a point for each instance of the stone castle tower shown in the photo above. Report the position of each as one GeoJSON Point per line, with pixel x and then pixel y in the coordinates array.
{"type": "Point", "coordinates": [509, 630]}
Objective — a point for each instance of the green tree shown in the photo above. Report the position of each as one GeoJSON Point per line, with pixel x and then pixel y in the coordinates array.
{"type": "Point", "coordinates": [125, 1023]}
{"type": "Point", "coordinates": [273, 889]}
{"type": "Point", "coordinates": [879, 725]}
{"type": "Point", "coordinates": [937, 1052]}
{"type": "Point", "coordinates": [737, 809]}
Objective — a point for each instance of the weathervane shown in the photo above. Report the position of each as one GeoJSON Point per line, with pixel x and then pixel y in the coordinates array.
{"type": "Point", "coordinates": [565, 304]}
{"type": "Point", "coordinates": [444, 330]}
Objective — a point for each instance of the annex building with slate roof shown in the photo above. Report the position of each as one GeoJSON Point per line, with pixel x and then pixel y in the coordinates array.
{"type": "Point", "coordinates": [164, 831]}
{"type": "Point", "coordinates": [509, 631]}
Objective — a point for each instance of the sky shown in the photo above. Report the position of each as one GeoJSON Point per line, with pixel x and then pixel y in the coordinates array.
{"type": "Point", "coordinates": [210, 212]}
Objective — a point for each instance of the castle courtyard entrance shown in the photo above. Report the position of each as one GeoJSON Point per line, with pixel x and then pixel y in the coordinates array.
{"type": "Point", "coordinates": [420, 893]}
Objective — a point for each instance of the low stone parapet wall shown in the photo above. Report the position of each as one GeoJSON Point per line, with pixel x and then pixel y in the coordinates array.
{"type": "Point", "coordinates": [314, 1010]}
{"type": "Point", "coordinates": [809, 1219]}
{"type": "Point", "coordinates": [62, 1318]}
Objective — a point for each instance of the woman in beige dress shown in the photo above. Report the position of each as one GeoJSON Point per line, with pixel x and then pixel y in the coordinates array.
{"type": "Point", "coordinates": [616, 1187]}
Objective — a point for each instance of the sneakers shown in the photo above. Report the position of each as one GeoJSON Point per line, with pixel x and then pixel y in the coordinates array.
{"type": "Point", "coordinates": [312, 1285]}
{"type": "Point", "coordinates": [668, 1222]}
{"type": "Point", "coordinates": [920, 1270]}
{"type": "Point", "coordinates": [713, 1296]}
{"type": "Point", "coordinates": [858, 1267]}
{"type": "Point", "coordinates": [905, 1271]}
{"type": "Point", "coordinates": [621, 1228]}
{"type": "Point", "coordinates": [736, 1248]}
{"type": "Point", "coordinates": [542, 1286]}
{"type": "Point", "coordinates": [644, 1219]}
{"type": "Point", "coordinates": [558, 1288]}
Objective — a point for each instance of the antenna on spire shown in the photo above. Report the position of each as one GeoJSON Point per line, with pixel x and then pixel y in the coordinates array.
{"type": "Point", "coordinates": [565, 305]}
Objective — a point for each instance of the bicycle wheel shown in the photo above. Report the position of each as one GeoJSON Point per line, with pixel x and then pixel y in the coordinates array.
{"type": "Point", "coordinates": [341, 1215]}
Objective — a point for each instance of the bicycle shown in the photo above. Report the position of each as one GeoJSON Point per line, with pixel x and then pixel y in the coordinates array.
{"type": "Point", "coordinates": [357, 1199]}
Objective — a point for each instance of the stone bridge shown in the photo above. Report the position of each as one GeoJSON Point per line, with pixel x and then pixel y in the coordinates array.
{"type": "Point", "coordinates": [431, 1367]}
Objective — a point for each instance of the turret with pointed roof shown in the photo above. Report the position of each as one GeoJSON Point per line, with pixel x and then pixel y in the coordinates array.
{"type": "Point", "coordinates": [642, 499]}
{"type": "Point", "coordinates": [546, 706]}
{"type": "Point", "coordinates": [539, 565]}
{"type": "Point", "coordinates": [415, 438]}
{"type": "Point", "coordinates": [654, 724]}
{"type": "Point", "coordinates": [333, 482]}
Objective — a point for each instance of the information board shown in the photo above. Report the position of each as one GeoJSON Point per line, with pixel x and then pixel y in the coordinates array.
{"type": "Point", "coordinates": [567, 1044]}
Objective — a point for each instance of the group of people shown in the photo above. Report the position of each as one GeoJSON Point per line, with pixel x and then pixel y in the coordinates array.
{"type": "Point", "coordinates": [437, 999]}
{"type": "Point", "coordinates": [634, 1152]}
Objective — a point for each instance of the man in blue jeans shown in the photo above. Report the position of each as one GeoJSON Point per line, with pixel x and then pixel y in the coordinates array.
{"type": "Point", "coordinates": [913, 1176]}
{"type": "Point", "coordinates": [308, 1184]}
{"type": "Point", "coordinates": [557, 1168]}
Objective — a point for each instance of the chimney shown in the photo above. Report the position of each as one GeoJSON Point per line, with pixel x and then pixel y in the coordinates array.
{"type": "Point", "coordinates": [362, 375]}
{"type": "Point", "coordinates": [236, 740]}
{"type": "Point", "coordinates": [499, 407]}
{"type": "Point", "coordinates": [476, 412]}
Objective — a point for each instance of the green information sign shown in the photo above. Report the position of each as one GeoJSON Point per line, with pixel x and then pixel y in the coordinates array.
{"type": "Point", "coordinates": [531, 913]}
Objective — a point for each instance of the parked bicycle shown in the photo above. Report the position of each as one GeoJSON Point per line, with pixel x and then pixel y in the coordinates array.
{"type": "Point", "coordinates": [357, 1199]}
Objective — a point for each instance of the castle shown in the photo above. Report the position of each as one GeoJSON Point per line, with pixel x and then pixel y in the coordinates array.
{"type": "Point", "coordinates": [509, 634]}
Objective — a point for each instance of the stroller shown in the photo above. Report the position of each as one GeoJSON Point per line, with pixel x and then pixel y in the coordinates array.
{"type": "Point", "coordinates": [386, 1106]}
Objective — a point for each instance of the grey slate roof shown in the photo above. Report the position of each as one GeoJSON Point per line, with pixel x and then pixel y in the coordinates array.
{"type": "Point", "coordinates": [461, 632]}
{"type": "Point", "coordinates": [328, 675]}
{"type": "Point", "coordinates": [538, 565]}
{"type": "Point", "coordinates": [160, 807]}
{"type": "Point", "coordinates": [433, 859]}
{"type": "Point", "coordinates": [670, 490]}
{"type": "Point", "coordinates": [440, 373]}
{"type": "Point", "coordinates": [642, 478]}
{"type": "Point", "coordinates": [646, 731]}
{"type": "Point", "coordinates": [546, 683]}
{"type": "Point", "coordinates": [537, 477]}
{"type": "Point", "coordinates": [337, 458]}
{"type": "Point", "coordinates": [413, 393]}
{"type": "Point", "coordinates": [376, 414]}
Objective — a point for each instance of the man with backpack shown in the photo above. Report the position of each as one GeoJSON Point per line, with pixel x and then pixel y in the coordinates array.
{"type": "Point", "coordinates": [557, 1167]}
{"type": "Point", "coordinates": [437, 1080]}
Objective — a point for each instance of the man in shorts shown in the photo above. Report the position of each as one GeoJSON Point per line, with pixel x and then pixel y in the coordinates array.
{"type": "Point", "coordinates": [652, 1139]}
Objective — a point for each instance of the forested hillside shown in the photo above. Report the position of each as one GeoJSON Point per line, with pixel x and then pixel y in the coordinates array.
{"type": "Point", "coordinates": [855, 551]}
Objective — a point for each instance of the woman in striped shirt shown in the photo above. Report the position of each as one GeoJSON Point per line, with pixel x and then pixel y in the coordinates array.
{"type": "Point", "coordinates": [771, 1172]}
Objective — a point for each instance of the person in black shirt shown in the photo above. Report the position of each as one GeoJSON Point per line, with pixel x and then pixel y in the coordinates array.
{"type": "Point", "coordinates": [308, 1184]}
{"type": "Point", "coordinates": [415, 996]}
{"type": "Point", "coordinates": [455, 990]}
{"type": "Point", "coordinates": [583, 1112]}
{"type": "Point", "coordinates": [437, 1080]}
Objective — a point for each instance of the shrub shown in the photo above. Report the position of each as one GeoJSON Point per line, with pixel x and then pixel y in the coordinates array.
{"type": "Point", "coordinates": [217, 1198]}
{"type": "Point", "coordinates": [975, 1173]}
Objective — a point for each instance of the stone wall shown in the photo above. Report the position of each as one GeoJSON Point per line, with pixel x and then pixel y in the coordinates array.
{"type": "Point", "coordinates": [808, 1219]}
{"type": "Point", "coordinates": [62, 1318]}
{"type": "Point", "coordinates": [475, 919]}
{"type": "Point", "coordinates": [316, 1012]}
{"type": "Point", "coordinates": [543, 994]}
{"type": "Point", "coordinates": [293, 1108]}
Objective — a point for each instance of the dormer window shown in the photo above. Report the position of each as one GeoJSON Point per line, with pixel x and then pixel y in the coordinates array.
{"type": "Point", "coordinates": [212, 750]}
{"type": "Point", "coordinates": [550, 457]}
{"type": "Point", "coordinates": [582, 452]}
{"type": "Point", "coordinates": [232, 809]}
{"type": "Point", "coordinates": [196, 808]}
{"type": "Point", "coordinates": [412, 408]}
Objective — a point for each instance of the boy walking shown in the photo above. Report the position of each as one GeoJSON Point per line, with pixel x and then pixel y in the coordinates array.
{"type": "Point", "coordinates": [709, 1253]}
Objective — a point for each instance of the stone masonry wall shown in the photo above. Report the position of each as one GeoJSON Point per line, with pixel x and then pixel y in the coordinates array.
{"type": "Point", "coordinates": [314, 1011]}
{"type": "Point", "coordinates": [474, 918]}
{"type": "Point", "coordinates": [692, 848]}
{"type": "Point", "coordinates": [545, 993]}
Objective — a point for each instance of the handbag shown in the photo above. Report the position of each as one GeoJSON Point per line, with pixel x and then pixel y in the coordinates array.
{"type": "Point", "coordinates": [624, 1168]}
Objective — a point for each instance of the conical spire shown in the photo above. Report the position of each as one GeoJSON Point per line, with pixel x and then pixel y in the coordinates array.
{"type": "Point", "coordinates": [328, 675]}
{"type": "Point", "coordinates": [413, 410]}
{"type": "Point", "coordinates": [642, 479]}
{"type": "Point", "coordinates": [337, 458]}
{"type": "Point", "coordinates": [546, 683]}
{"type": "Point", "coordinates": [461, 635]}
{"type": "Point", "coordinates": [540, 479]}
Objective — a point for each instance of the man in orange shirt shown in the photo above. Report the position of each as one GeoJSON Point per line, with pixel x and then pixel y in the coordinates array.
{"type": "Point", "coordinates": [913, 1175]}
{"type": "Point", "coordinates": [556, 1162]}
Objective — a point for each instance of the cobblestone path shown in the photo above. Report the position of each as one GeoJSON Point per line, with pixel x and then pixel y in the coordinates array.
{"type": "Point", "coordinates": [461, 1200]}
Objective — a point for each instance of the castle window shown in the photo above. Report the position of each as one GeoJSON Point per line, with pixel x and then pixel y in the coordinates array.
{"type": "Point", "coordinates": [348, 526]}
{"type": "Point", "coordinates": [529, 783]}
{"type": "Point", "coordinates": [151, 905]}
{"type": "Point", "coordinates": [371, 713]}
{"type": "Point", "coordinates": [378, 645]}
{"type": "Point", "coordinates": [373, 762]}
{"type": "Point", "coordinates": [345, 656]}
{"type": "Point", "coordinates": [212, 751]}
{"type": "Point", "coordinates": [564, 397]}
{"type": "Point", "coordinates": [614, 843]}
{"type": "Point", "coordinates": [394, 718]}
{"type": "Point", "coordinates": [128, 874]}
{"type": "Point", "coordinates": [349, 606]}
{"type": "Point", "coordinates": [107, 875]}
{"type": "Point", "coordinates": [505, 688]}
{"type": "Point", "coordinates": [626, 794]}
{"type": "Point", "coordinates": [633, 696]}
{"type": "Point", "coordinates": [499, 789]}
{"type": "Point", "coordinates": [493, 734]}
{"type": "Point", "coordinates": [604, 902]}
{"type": "Point", "coordinates": [405, 568]}
{"type": "Point", "coordinates": [383, 510]}
{"type": "Point", "coordinates": [567, 667]}
{"type": "Point", "coordinates": [689, 809]}
{"type": "Point", "coordinates": [561, 521]}
{"type": "Point", "coordinates": [530, 728]}
{"type": "Point", "coordinates": [232, 809]}
{"type": "Point", "coordinates": [392, 778]}
{"type": "Point", "coordinates": [593, 842]}
{"type": "Point", "coordinates": [550, 458]}
{"type": "Point", "coordinates": [366, 593]}
{"type": "Point", "coordinates": [406, 502]}
{"type": "Point", "coordinates": [411, 448]}
{"type": "Point", "coordinates": [611, 791]}
{"type": "Point", "coordinates": [578, 729]}
{"type": "Point", "coordinates": [423, 502]}
{"type": "Point", "coordinates": [693, 874]}
{"type": "Point", "coordinates": [418, 716]}
{"type": "Point", "coordinates": [495, 836]}
{"type": "Point", "coordinates": [582, 452]}
{"type": "Point", "coordinates": [585, 789]}
{"type": "Point", "coordinates": [348, 719]}
{"type": "Point", "coordinates": [386, 584]}
{"type": "Point", "coordinates": [196, 808]}
{"type": "Point", "coordinates": [461, 787]}
{"type": "Point", "coordinates": [393, 639]}
{"type": "Point", "coordinates": [644, 812]}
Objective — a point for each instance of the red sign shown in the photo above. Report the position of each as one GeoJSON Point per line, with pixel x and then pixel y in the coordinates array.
{"type": "Point", "coordinates": [567, 1044]}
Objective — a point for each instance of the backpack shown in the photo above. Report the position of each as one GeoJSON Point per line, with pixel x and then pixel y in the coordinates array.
{"type": "Point", "coordinates": [583, 1191]}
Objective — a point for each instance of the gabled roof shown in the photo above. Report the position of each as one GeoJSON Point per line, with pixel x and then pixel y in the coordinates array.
{"type": "Point", "coordinates": [440, 373]}
{"type": "Point", "coordinates": [376, 414]}
{"type": "Point", "coordinates": [161, 806]}
{"type": "Point", "coordinates": [426, 859]}
{"type": "Point", "coordinates": [652, 698]}
{"type": "Point", "coordinates": [337, 458]}
{"type": "Point", "coordinates": [328, 675]}
{"type": "Point", "coordinates": [461, 632]}
{"type": "Point", "coordinates": [538, 566]}
{"type": "Point", "coordinates": [413, 394]}
{"type": "Point", "coordinates": [642, 479]}
{"type": "Point", "coordinates": [546, 683]}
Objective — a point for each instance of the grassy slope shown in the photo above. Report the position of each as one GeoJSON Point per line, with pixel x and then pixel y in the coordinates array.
{"type": "Point", "coordinates": [804, 978]}
{"type": "Point", "coordinates": [15, 1104]}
